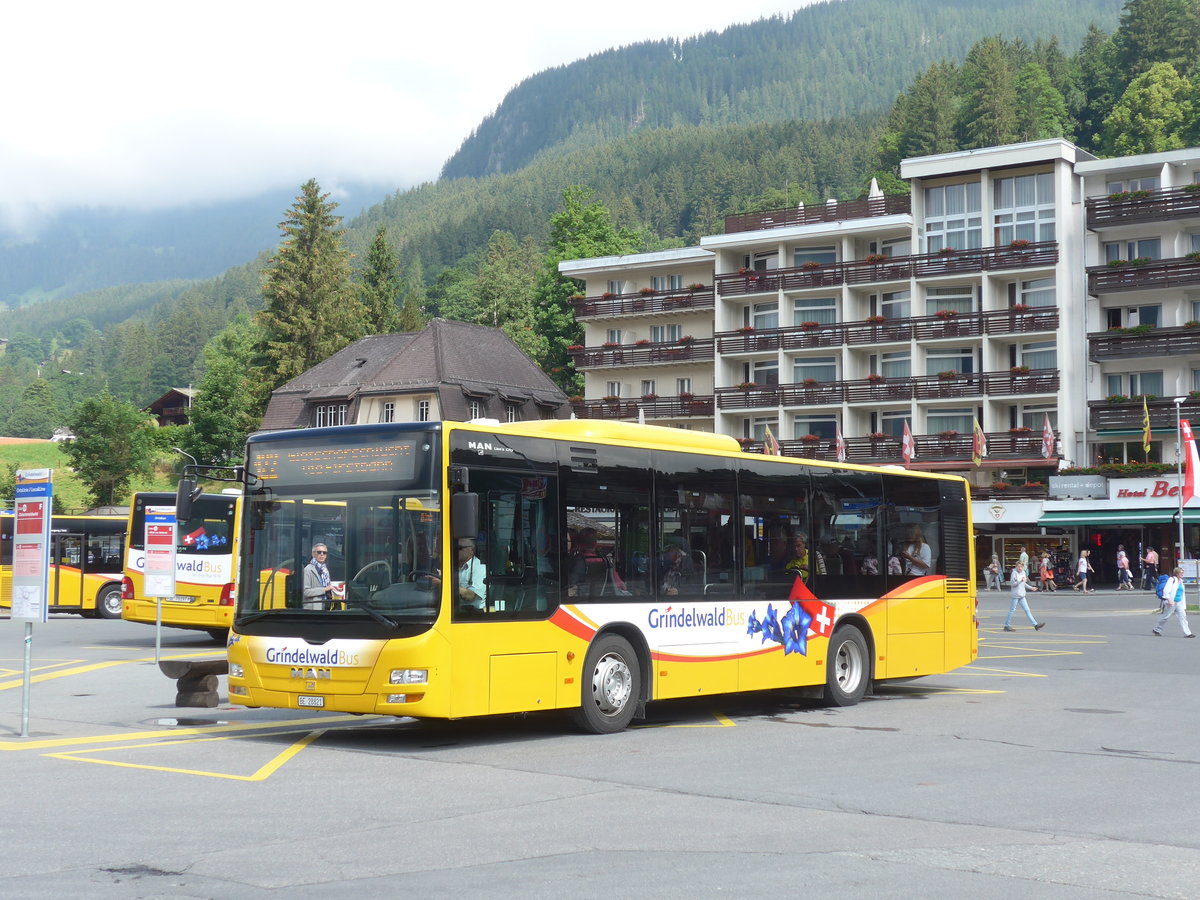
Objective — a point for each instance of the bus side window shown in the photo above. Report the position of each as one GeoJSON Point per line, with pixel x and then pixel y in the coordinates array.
{"type": "Point", "coordinates": [913, 529]}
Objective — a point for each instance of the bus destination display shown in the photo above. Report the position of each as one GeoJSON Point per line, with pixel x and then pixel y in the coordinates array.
{"type": "Point", "coordinates": [334, 463]}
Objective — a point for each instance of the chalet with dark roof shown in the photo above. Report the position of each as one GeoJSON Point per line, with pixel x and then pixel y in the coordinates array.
{"type": "Point", "coordinates": [173, 407]}
{"type": "Point", "coordinates": [449, 370]}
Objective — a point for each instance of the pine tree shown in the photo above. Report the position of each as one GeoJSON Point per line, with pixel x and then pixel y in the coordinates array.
{"type": "Point", "coordinates": [989, 96]}
{"type": "Point", "coordinates": [225, 409]}
{"type": "Point", "coordinates": [412, 314]}
{"type": "Point", "coordinates": [36, 414]}
{"type": "Point", "coordinates": [1041, 109]}
{"type": "Point", "coordinates": [380, 286]}
{"type": "Point", "coordinates": [1158, 31]}
{"type": "Point", "coordinates": [310, 311]}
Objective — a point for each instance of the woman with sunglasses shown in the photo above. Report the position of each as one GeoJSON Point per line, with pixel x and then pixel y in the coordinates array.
{"type": "Point", "coordinates": [318, 590]}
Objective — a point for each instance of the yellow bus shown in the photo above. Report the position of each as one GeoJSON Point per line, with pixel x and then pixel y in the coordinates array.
{"type": "Point", "coordinates": [475, 569]}
{"type": "Point", "coordinates": [85, 564]}
{"type": "Point", "coordinates": [205, 554]}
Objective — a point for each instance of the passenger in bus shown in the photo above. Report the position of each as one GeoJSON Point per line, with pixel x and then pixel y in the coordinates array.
{"type": "Point", "coordinates": [915, 553]}
{"type": "Point", "coordinates": [675, 570]}
{"type": "Point", "coordinates": [803, 559]}
{"type": "Point", "coordinates": [318, 592]}
{"type": "Point", "coordinates": [472, 575]}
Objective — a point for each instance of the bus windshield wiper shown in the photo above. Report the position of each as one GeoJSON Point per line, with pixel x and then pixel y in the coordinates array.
{"type": "Point", "coordinates": [376, 615]}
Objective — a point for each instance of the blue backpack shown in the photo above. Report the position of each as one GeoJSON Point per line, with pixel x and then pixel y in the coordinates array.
{"type": "Point", "coordinates": [1161, 586]}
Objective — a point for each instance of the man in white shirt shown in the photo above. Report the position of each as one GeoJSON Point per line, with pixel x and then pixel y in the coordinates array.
{"type": "Point", "coordinates": [472, 588]}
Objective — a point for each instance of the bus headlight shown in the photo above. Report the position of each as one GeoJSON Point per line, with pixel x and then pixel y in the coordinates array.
{"type": "Point", "coordinates": [235, 670]}
{"type": "Point", "coordinates": [410, 676]}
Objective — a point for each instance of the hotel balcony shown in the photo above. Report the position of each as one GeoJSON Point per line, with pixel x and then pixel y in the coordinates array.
{"type": "Point", "coordinates": [1140, 207]}
{"type": "Point", "coordinates": [643, 354]}
{"type": "Point", "coordinates": [892, 268]}
{"type": "Point", "coordinates": [1016, 320]}
{"type": "Point", "coordinates": [816, 214]}
{"type": "Point", "coordinates": [641, 303]}
{"type": "Point", "coordinates": [930, 387]}
{"type": "Point", "coordinates": [1182, 271]}
{"type": "Point", "coordinates": [651, 408]}
{"type": "Point", "coordinates": [1127, 415]}
{"type": "Point", "coordinates": [1135, 343]}
{"type": "Point", "coordinates": [1006, 448]}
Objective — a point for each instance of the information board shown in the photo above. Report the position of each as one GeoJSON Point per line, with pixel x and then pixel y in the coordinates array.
{"type": "Point", "coordinates": [161, 527]}
{"type": "Point", "coordinates": [31, 545]}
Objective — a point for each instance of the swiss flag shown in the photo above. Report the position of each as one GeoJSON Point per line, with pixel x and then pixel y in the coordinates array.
{"type": "Point", "coordinates": [1191, 460]}
{"type": "Point", "coordinates": [822, 617]}
{"type": "Point", "coordinates": [190, 539]}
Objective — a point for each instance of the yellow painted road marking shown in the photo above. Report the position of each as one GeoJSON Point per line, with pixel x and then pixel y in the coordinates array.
{"type": "Point", "coordinates": [721, 722]}
{"type": "Point", "coordinates": [262, 773]}
{"type": "Point", "coordinates": [90, 667]}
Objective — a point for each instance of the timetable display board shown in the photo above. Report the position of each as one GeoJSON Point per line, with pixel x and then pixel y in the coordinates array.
{"type": "Point", "coordinates": [31, 545]}
{"type": "Point", "coordinates": [335, 462]}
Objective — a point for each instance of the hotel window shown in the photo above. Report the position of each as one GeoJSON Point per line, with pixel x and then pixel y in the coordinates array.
{"type": "Point", "coordinates": [512, 412]}
{"type": "Point", "coordinates": [820, 368]}
{"type": "Point", "coordinates": [683, 385]}
{"type": "Point", "coordinates": [1195, 242]}
{"type": "Point", "coordinates": [815, 309]}
{"type": "Point", "coordinates": [761, 262]}
{"type": "Point", "coordinates": [612, 389]}
{"type": "Point", "coordinates": [764, 372]}
{"type": "Point", "coordinates": [1038, 292]}
{"type": "Point", "coordinates": [757, 428]}
{"type": "Point", "coordinates": [1024, 208]}
{"type": "Point", "coordinates": [665, 334]}
{"type": "Point", "coordinates": [821, 426]}
{"type": "Point", "coordinates": [950, 359]}
{"type": "Point", "coordinates": [959, 299]}
{"type": "Point", "coordinates": [389, 413]}
{"type": "Point", "coordinates": [474, 409]}
{"type": "Point", "coordinates": [895, 365]}
{"type": "Point", "coordinates": [891, 248]}
{"type": "Point", "coordinates": [1145, 183]}
{"type": "Point", "coordinates": [764, 315]}
{"type": "Point", "coordinates": [1134, 384]}
{"type": "Point", "coordinates": [667, 282]}
{"type": "Point", "coordinates": [960, 420]}
{"type": "Point", "coordinates": [824, 255]}
{"type": "Point", "coordinates": [895, 305]}
{"type": "Point", "coordinates": [1034, 417]}
{"type": "Point", "coordinates": [953, 217]}
{"type": "Point", "coordinates": [648, 387]}
{"type": "Point", "coordinates": [1037, 355]}
{"type": "Point", "coordinates": [617, 287]}
{"type": "Point", "coordinates": [1196, 379]}
{"type": "Point", "coordinates": [892, 423]}
{"type": "Point", "coordinates": [1145, 248]}
{"type": "Point", "coordinates": [423, 408]}
{"type": "Point", "coordinates": [614, 336]}
{"type": "Point", "coordinates": [331, 414]}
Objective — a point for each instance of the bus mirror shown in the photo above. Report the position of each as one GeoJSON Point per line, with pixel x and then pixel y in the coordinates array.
{"type": "Point", "coordinates": [464, 516]}
{"type": "Point", "coordinates": [185, 495]}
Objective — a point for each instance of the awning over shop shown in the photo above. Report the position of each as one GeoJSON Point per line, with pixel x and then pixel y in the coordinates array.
{"type": "Point", "coordinates": [1118, 517]}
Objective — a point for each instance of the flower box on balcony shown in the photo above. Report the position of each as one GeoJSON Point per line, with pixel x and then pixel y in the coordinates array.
{"type": "Point", "coordinates": [646, 292]}
{"type": "Point", "coordinates": [696, 286]}
{"type": "Point", "coordinates": [810, 326]}
{"type": "Point", "coordinates": [1033, 485]}
{"type": "Point", "coordinates": [1000, 485]}
{"type": "Point", "coordinates": [743, 271]}
{"type": "Point", "coordinates": [649, 396]}
{"type": "Point", "coordinates": [948, 375]}
{"type": "Point", "coordinates": [877, 436]}
{"type": "Point", "coordinates": [577, 297]}
{"type": "Point", "coordinates": [747, 386]}
{"type": "Point", "coordinates": [609, 345]}
{"type": "Point", "coordinates": [1020, 370]}
{"type": "Point", "coordinates": [612, 398]}
{"type": "Point", "coordinates": [686, 395]}
{"type": "Point", "coordinates": [810, 438]}
{"type": "Point", "coordinates": [607, 295]}
{"type": "Point", "coordinates": [575, 347]}
{"type": "Point", "coordinates": [1194, 255]}
{"type": "Point", "coordinates": [686, 339]}
{"type": "Point", "coordinates": [1192, 323]}
{"type": "Point", "coordinates": [875, 258]}
{"type": "Point", "coordinates": [810, 265]}
{"type": "Point", "coordinates": [875, 379]}
{"type": "Point", "coordinates": [641, 342]}
{"type": "Point", "coordinates": [1115, 263]}
{"type": "Point", "coordinates": [1116, 398]}
{"type": "Point", "coordinates": [1019, 308]}
{"type": "Point", "coordinates": [575, 398]}
{"type": "Point", "coordinates": [1019, 244]}
{"type": "Point", "coordinates": [1141, 261]}
{"type": "Point", "coordinates": [946, 313]}
{"type": "Point", "coordinates": [951, 433]}
{"type": "Point", "coordinates": [876, 320]}
{"type": "Point", "coordinates": [1020, 429]}
{"type": "Point", "coordinates": [810, 382]}
{"type": "Point", "coordinates": [745, 329]}
{"type": "Point", "coordinates": [1192, 188]}
{"type": "Point", "coordinates": [947, 251]}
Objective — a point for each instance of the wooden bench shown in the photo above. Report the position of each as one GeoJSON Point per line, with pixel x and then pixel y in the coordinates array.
{"type": "Point", "coordinates": [195, 680]}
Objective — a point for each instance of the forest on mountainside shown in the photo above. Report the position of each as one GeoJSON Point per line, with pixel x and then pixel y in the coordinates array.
{"type": "Point", "coordinates": [483, 249]}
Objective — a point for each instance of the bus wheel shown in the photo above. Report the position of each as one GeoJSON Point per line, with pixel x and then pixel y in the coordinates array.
{"type": "Point", "coordinates": [612, 683]}
{"type": "Point", "coordinates": [108, 602]}
{"type": "Point", "coordinates": [847, 671]}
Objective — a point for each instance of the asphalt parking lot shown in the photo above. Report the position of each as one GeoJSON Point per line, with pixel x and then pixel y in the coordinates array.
{"type": "Point", "coordinates": [1060, 764]}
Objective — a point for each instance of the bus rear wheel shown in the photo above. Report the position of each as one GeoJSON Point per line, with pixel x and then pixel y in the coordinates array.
{"type": "Point", "coordinates": [108, 602]}
{"type": "Point", "coordinates": [611, 686]}
{"type": "Point", "coordinates": [847, 669]}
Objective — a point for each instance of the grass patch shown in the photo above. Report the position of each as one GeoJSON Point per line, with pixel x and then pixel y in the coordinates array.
{"type": "Point", "coordinates": [68, 489]}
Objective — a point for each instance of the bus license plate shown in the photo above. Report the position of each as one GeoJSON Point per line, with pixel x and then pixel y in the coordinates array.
{"type": "Point", "coordinates": [316, 702]}
{"type": "Point", "coordinates": [184, 598]}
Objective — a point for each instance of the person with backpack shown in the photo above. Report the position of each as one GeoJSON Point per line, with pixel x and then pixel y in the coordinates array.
{"type": "Point", "coordinates": [1174, 604]}
{"type": "Point", "coordinates": [1016, 583]}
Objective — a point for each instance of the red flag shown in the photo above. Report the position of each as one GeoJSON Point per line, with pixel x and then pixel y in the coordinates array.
{"type": "Point", "coordinates": [800, 590]}
{"type": "Point", "coordinates": [1192, 459]}
{"type": "Point", "coordinates": [1047, 437]}
{"type": "Point", "coordinates": [978, 445]}
{"type": "Point", "coordinates": [840, 443]}
{"type": "Point", "coordinates": [822, 617]}
{"type": "Point", "coordinates": [907, 451]}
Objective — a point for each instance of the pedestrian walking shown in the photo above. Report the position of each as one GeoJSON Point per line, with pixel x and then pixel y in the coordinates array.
{"type": "Point", "coordinates": [1124, 573]}
{"type": "Point", "coordinates": [1016, 587]}
{"type": "Point", "coordinates": [1083, 572]}
{"type": "Point", "coordinates": [1175, 604]}
{"type": "Point", "coordinates": [1046, 572]}
{"type": "Point", "coordinates": [992, 573]}
{"type": "Point", "coordinates": [1150, 572]}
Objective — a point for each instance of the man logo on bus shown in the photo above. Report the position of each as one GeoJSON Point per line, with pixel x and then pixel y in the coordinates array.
{"type": "Point", "coordinates": [310, 673]}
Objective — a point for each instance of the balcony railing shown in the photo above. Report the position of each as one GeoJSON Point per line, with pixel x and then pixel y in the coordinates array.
{"type": "Point", "coordinates": [640, 304]}
{"type": "Point", "coordinates": [1136, 207]}
{"type": "Point", "coordinates": [801, 337]}
{"type": "Point", "coordinates": [813, 215]}
{"type": "Point", "coordinates": [894, 268]}
{"type": "Point", "coordinates": [1126, 415]}
{"type": "Point", "coordinates": [927, 387]}
{"type": "Point", "coordinates": [1162, 273]}
{"type": "Point", "coordinates": [656, 408]}
{"type": "Point", "coordinates": [641, 355]}
{"type": "Point", "coordinates": [1003, 446]}
{"type": "Point", "coordinates": [1126, 344]}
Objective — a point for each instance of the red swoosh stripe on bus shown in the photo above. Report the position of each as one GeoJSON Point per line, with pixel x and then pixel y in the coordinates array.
{"type": "Point", "coordinates": [571, 625]}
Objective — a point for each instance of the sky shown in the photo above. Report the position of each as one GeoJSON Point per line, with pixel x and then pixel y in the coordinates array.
{"type": "Point", "coordinates": [144, 105]}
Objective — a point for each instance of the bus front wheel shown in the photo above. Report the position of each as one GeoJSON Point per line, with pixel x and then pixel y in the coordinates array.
{"type": "Point", "coordinates": [108, 602]}
{"type": "Point", "coordinates": [847, 669]}
{"type": "Point", "coordinates": [611, 685]}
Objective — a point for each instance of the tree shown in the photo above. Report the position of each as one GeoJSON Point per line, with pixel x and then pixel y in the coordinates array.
{"type": "Point", "coordinates": [412, 314]}
{"type": "Point", "coordinates": [1041, 109]}
{"type": "Point", "coordinates": [507, 285]}
{"type": "Point", "coordinates": [1157, 31]}
{"type": "Point", "coordinates": [380, 286]}
{"type": "Point", "coordinates": [112, 443]}
{"type": "Point", "coordinates": [36, 414]}
{"type": "Point", "coordinates": [989, 96]}
{"type": "Point", "coordinates": [310, 309]}
{"type": "Point", "coordinates": [225, 409]}
{"type": "Point", "coordinates": [1154, 114]}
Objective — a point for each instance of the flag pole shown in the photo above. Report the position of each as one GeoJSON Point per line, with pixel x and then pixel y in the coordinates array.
{"type": "Point", "coordinates": [1179, 473]}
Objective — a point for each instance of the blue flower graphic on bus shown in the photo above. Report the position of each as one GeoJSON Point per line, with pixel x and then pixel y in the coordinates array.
{"type": "Point", "coordinates": [796, 626]}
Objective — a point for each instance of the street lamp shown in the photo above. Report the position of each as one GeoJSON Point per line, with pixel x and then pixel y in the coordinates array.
{"type": "Point", "coordinates": [1178, 401]}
